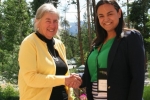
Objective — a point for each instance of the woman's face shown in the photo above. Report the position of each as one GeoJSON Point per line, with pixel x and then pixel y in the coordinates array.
{"type": "Point", "coordinates": [108, 17]}
{"type": "Point", "coordinates": [48, 25]}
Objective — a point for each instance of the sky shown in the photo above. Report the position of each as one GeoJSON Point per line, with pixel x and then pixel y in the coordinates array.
{"type": "Point", "coordinates": [71, 13]}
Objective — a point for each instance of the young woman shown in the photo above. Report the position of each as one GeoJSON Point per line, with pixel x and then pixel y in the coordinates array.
{"type": "Point", "coordinates": [115, 67]}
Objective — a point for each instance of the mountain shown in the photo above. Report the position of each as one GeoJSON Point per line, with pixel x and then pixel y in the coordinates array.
{"type": "Point", "coordinates": [73, 30]}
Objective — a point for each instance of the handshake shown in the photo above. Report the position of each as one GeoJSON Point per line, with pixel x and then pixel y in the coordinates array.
{"type": "Point", "coordinates": [74, 80]}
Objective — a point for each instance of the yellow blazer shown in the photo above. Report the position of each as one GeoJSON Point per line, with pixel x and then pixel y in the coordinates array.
{"type": "Point", "coordinates": [37, 69]}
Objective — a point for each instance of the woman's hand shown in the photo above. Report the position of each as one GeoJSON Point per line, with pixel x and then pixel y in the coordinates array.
{"type": "Point", "coordinates": [74, 81]}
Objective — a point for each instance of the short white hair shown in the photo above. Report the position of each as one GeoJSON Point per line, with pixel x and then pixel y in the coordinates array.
{"type": "Point", "coordinates": [47, 7]}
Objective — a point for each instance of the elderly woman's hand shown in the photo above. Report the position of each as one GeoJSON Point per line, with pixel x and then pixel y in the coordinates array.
{"type": "Point", "coordinates": [74, 81]}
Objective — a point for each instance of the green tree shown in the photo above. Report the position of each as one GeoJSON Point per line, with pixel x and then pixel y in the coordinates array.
{"type": "Point", "coordinates": [85, 38]}
{"type": "Point", "coordinates": [70, 43]}
{"type": "Point", "coordinates": [68, 39]}
{"type": "Point", "coordinates": [140, 19]}
{"type": "Point", "coordinates": [15, 24]}
{"type": "Point", "coordinates": [37, 3]}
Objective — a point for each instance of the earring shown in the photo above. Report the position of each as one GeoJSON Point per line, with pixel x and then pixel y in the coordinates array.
{"type": "Point", "coordinates": [38, 29]}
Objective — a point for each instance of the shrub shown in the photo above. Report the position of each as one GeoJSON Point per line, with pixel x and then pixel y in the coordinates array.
{"type": "Point", "coordinates": [146, 95]}
{"type": "Point", "coordinates": [1, 93]}
{"type": "Point", "coordinates": [9, 93]}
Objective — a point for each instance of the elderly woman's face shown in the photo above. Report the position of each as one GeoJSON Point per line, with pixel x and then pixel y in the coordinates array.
{"type": "Point", "coordinates": [48, 25]}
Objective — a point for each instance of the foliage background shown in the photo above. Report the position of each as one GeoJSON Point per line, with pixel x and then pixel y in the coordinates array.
{"type": "Point", "coordinates": [16, 22]}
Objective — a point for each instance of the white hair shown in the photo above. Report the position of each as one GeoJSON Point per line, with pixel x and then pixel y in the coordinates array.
{"type": "Point", "coordinates": [47, 7]}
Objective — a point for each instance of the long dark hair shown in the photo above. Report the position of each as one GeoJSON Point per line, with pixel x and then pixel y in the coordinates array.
{"type": "Point", "coordinates": [101, 32]}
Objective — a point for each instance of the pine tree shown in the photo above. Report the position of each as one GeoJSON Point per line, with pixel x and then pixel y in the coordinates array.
{"type": "Point", "coordinates": [15, 24]}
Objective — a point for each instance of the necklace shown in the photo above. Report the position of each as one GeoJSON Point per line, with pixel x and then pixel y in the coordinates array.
{"type": "Point", "coordinates": [54, 56]}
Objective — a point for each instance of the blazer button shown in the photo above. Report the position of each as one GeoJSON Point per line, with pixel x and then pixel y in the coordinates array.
{"type": "Point", "coordinates": [108, 87]}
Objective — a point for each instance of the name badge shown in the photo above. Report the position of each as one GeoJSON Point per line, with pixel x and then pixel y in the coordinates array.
{"type": "Point", "coordinates": [102, 85]}
{"type": "Point", "coordinates": [102, 79]}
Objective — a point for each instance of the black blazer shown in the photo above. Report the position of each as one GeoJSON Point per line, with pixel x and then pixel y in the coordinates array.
{"type": "Point", "coordinates": [125, 69]}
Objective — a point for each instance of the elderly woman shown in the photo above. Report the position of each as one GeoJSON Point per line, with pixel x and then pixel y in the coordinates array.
{"type": "Point", "coordinates": [43, 73]}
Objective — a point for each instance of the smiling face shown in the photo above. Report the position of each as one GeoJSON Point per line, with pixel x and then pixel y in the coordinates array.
{"type": "Point", "coordinates": [108, 17]}
{"type": "Point", "coordinates": [48, 25]}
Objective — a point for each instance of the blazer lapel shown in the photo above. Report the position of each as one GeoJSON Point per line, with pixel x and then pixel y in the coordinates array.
{"type": "Point", "coordinates": [112, 53]}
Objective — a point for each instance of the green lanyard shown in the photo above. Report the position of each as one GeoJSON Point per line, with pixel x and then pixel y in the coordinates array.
{"type": "Point", "coordinates": [101, 74]}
